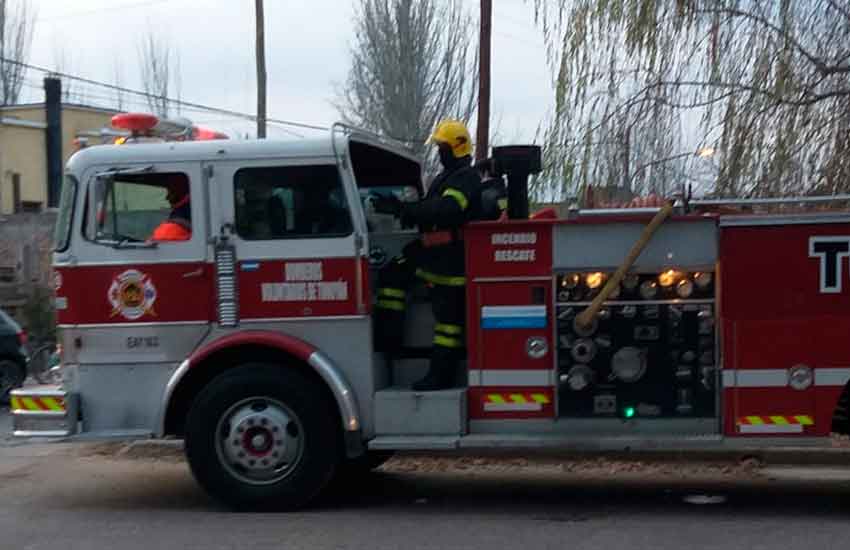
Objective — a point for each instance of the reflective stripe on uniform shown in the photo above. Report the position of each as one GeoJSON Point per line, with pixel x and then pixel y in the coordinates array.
{"type": "Point", "coordinates": [502, 204]}
{"type": "Point", "coordinates": [458, 196]}
{"type": "Point", "coordinates": [392, 292]}
{"type": "Point", "coordinates": [445, 280]}
{"type": "Point", "coordinates": [446, 328]}
{"type": "Point", "coordinates": [447, 341]}
{"type": "Point", "coordinates": [390, 304]}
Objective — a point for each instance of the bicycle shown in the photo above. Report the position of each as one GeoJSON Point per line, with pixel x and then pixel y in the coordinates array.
{"type": "Point", "coordinates": [44, 364]}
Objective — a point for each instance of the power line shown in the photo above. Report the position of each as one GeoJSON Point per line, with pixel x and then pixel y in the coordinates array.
{"type": "Point", "coordinates": [181, 103]}
{"type": "Point", "coordinates": [100, 10]}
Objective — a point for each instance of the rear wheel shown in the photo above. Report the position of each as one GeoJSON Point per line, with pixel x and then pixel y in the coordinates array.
{"type": "Point", "coordinates": [11, 376]}
{"type": "Point", "coordinates": [261, 437]}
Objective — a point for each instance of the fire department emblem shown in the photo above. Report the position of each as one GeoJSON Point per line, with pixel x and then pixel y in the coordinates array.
{"type": "Point", "coordinates": [132, 295]}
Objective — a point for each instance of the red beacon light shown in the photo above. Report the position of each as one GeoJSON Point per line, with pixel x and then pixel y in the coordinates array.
{"type": "Point", "coordinates": [144, 127]}
{"type": "Point", "coordinates": [138, 124]}
{"type": "Point", "coordinates": [199, 133]}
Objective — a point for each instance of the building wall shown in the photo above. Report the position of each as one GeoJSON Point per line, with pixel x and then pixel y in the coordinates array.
{"type": "Point", "coordinates": [22, 152]}
{"type": "Point", "coordinates": [26, 238]}
{"type": "Point", "coordinates": [25, 250]}
{"type": "Point", "coordinates": [23, 149]}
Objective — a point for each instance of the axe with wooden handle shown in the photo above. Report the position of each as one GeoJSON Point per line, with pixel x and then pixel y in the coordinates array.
{"type": "Point", "coordinates": [585, 318]}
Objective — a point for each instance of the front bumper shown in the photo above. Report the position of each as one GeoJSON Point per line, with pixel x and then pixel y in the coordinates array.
{"type": "Point", "coordinates": [43, 411]}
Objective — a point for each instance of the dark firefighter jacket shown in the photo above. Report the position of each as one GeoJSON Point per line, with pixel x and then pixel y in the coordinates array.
{"type": "Point", "coordinates": [453, 199]}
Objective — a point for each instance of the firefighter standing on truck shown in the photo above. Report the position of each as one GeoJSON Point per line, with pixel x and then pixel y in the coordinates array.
{"type": "Point", "coordinates": [437, 258]}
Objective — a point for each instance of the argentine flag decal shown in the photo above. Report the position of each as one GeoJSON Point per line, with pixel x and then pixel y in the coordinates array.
{"type": "Point", "coordinates": [503, 317]}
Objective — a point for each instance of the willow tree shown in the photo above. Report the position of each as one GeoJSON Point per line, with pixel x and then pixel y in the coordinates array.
{"type": "Point", "coordinates": [764, 83]}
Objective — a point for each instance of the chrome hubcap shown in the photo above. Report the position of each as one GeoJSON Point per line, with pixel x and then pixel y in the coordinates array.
{"type": "Point", "coordinates": [260, 441]}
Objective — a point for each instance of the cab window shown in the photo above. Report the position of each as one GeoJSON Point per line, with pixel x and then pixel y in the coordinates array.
{"type": "Point", "coordinates": [290, 202]}
{"type": "Point", "coordinates": [140, 208]}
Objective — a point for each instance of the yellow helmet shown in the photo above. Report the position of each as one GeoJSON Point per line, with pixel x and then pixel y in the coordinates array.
{"type": "Point", "coordinates": [454, 134]}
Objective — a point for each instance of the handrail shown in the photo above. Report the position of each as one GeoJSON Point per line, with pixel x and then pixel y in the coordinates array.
{"type": "Point", "coordinates": [697, 203]}
{"type": "Point", "coordinates": [770, 200]}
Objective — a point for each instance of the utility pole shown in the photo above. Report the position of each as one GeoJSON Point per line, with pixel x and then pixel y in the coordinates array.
{"type": "Point", "coordinates": [261, 70]}
{"type": "Point", "coordinates": [482, 140]}
{"type": "Point", "coordinates": [53, 139]}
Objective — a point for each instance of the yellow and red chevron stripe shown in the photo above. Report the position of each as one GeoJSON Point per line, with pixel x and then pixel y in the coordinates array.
{"type": "Point", "coordinates": [774, 424]}
{"type": "Point", "coordinates": [33, 403]}
{"type": "Point", "coordinates": [515, 401]}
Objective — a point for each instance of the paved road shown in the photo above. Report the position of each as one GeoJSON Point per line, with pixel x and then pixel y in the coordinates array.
{"type": "Point", "coordinates": [70, 497]}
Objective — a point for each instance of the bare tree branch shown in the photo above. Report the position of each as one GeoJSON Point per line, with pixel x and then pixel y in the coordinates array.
{"type": "Point", "coordinates": [155, 56]}
{"type": "Point", "coordinates": [17, 19]}
{"type": "Point", "coordinates": [412, 63]}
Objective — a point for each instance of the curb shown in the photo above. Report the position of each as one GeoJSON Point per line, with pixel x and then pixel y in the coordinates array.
{"type": "Point", "coordinates": [152, 448]}
{"type": "Point", "coordinates": [791, 456]}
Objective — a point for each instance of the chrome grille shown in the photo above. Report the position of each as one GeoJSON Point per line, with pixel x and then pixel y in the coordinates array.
{"type": "Point", "coordinates": [228, 302]}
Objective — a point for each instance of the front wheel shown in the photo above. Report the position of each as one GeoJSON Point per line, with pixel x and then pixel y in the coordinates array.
{"type": "Point", "coordinates": [263, 437]}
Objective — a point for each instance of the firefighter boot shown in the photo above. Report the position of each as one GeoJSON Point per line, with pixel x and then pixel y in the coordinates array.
{"type": "Point", "coordinates": [441, 373]}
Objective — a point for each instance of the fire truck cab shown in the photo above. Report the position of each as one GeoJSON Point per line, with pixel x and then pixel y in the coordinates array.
{"type": "Point", "coordinates": [252, 338]}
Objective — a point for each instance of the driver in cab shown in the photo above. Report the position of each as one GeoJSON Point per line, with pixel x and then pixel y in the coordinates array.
{"type": "Point", "coordinates": [178, 225]}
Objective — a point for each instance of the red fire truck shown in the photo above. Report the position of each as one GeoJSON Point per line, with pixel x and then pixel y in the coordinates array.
{"type": "Point", "coordinates": [676, 328]}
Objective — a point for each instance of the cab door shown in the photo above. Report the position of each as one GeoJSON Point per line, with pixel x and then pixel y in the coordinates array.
{"type": "Point", "coordinates": [298, 259]}
{"type": "Point", "coordinates": [132, 309]}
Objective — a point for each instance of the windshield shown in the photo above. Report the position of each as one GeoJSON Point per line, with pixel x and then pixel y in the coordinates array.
{"type": "Point", "coordinates": [62, 231]}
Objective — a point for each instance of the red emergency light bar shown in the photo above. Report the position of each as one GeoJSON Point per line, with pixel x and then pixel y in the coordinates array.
{"type": "Point", "coordinates": [148, 125]}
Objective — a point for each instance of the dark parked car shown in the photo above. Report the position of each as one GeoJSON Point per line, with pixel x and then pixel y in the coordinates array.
{"type": "Point", "coordinates": [13, 356]}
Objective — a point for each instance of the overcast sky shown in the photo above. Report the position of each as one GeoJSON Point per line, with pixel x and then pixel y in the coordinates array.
{"type": "Point", "coordinates": [307, 45]}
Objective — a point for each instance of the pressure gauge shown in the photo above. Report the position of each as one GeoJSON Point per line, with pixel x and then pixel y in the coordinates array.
{"type": "Point", "coordinates": [648, 290]}
{"type": "Point", "coordinates": [702, 279]}
{"type": "Point", "coordinates": [570, 281]}
{"type": "Point", "coordinates": [594, 280]}
{"type": "Point", "coordinates": [668, 278]}
{"type": "Point", "coordinates": [684, 288]}
{"type": "Point", "coordinates": [631, 281]}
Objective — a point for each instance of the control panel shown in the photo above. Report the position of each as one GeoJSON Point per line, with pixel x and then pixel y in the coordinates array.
{"type": "Point", "coordinates": [649, 353]}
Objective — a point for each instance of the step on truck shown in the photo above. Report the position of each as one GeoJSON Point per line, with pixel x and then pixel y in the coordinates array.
{"type": "Point", "coordinates": [694, 327]}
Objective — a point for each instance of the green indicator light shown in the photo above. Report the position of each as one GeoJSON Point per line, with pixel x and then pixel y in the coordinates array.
{"type": "Point", "coordinates": [629, 412]}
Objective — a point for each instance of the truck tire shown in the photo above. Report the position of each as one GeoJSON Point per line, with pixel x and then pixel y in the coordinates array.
{"type": "Point", "coordinates": [263, 437]}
